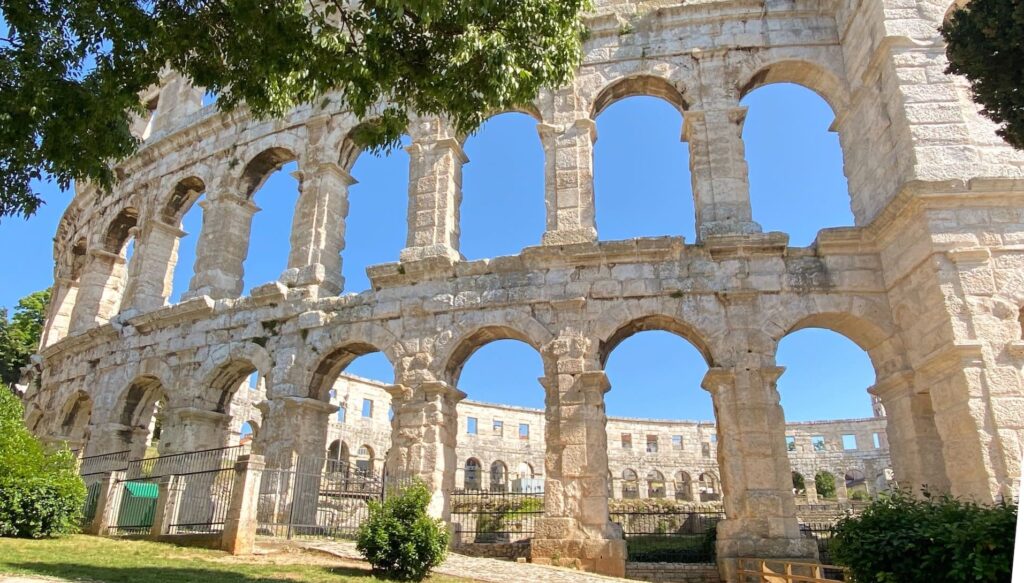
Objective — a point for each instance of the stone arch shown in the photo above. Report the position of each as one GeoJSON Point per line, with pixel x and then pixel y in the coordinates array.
{"type": "Point", "coordinates": [630, 484]}
{"type": "Point", "coordinates": [515, 326]}
{"type": "Point", "coordinates": [259, 168]}
{"type": "Point", "coordinates": [498, 476]}
{"type": "Point", "coordinates": [683, 486]}
{"type": "Point", "coordinates": [119, 230]}
{"type": "Point", "coordinates": [471, 474]}
{"type": "Point", "coordinates": [710, 486]}
{"type": "Point", "coordinates": [655, 484]}
{"type": "Point", "coordinates": [180, 199]}
{"type": "Point", "coordinates": [33, 417]}
{"type": "Point", "coordinates": [525, 471]}
{"type": "Point", "coordinates": [641, 84]}
{"type": "Point", "coordinates": [336, 359]}
{"type": "Point", "coordinates": [75, 417]}
{"type": "Point", "coordinates": [138, 400]}
{"type": "Point", "coordinates": [609, 340]}
{"type": "Point", "coordinates": [219, 380]}
{"type": "Point", "coordinates": [821, 79]}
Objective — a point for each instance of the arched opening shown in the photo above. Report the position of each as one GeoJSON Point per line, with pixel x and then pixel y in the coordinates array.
{"type": "Point", "coordinates": [247, 433]}
{"type": "Point", "coordinates": [375, 231]}
{"type": "Point", "coordinates": [630, 485]}
{"type": "Point", "coordinates": [655, 484]}
{"type": "Point", "coordinates": [642, 185]}
{"type": "Point", "coordinates": [795, 162]}
{"type": "Point", "coordinates": [825, 486]}
{"type": "Point", "coordinates": [141, 408]}
{"type": "Point", "coordinates": [708, 487]}
{"type": "Point", "coordinates": [684, 487]}
{"type": "Point", "coordinates": [366, 461]}
{"type": "Point", "coordinates": [119, 241]}
{"type": "Point", "coordinates": [856, 485]}
{"type": "Point", "coordinates": [499, 477]}
{"type": "Point", "coordinates": [471, 475]}
{"type": "Point", "coordinates": [184, 210]}
{"type": "Point", "coordinates": [505, 406]}
{"type": "Point", "coordinates": [270, 181]}
{"type": "Point", "coordinates": [503, 188]}
{"type": "Point", "coordinates": [656, 405]}
{"type": "Point", "coordinates": [74, 424]}
{"type": "Point", "coordinates": [799, 484]}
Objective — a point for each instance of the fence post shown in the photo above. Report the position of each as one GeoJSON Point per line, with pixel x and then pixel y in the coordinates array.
{"type": "Point", "coordinates": [239, 536]}
{"type": "Point", "coordinates": [106, 504]}
{"type": "Point", "coordinates": [167, 501]}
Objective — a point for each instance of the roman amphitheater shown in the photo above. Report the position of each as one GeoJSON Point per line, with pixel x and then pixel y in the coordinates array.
{"type": "Point", "coordinates": [929, 282]}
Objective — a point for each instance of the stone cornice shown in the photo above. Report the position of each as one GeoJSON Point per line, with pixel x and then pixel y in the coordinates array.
{"type": "Point", "coordinates": [939, 361]}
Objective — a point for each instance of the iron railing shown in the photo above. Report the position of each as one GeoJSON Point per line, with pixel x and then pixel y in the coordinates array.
{"type": "Point", "coordinates": [316, 498]}
{"type": "Point", "coordinates": [821, 533]}
{"type": "Point", "coordinates": [103, 464]}
{"type": "Point", "coordinates": [669, 536]}
{"type": "Point", "coordinates": [494, 517]}
{"type": "Point", "coordinates": [92, 496]}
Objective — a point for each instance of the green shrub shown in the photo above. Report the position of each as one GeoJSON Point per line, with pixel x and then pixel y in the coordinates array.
{"type": "Point", "coordinates": [41, 494]}
{"type": "Point", "coordinates": [799, 485]}
{"type": "Point", "coordinates": [859, 495]}
{"type": "Point", "coordinates": [825, 485]}
{"type": "Point", "coordinates": [903, 539]}
{"type": "Point", "coordinates": [399, 540]}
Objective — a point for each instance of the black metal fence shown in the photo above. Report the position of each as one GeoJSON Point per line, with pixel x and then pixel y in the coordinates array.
{"type": "Point", "coordinates": [92, 496]}
{"type": "Point", "coordinates": [669, 536]}
{"type": "Point", "coordinates": [102, 464]}
{"type": "Point", "coordinates": [494, 517]}
{"type": "Point", "coordinates": [201, 481]}
{"type": "Point", "coordinates": [315, 498]}
{"type": "Point", "coordinates": [821, 533]}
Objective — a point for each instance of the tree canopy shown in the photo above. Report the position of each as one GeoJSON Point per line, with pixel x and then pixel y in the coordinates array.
{"type": "Point", "coordinates": [985, 43]}
{"type": "Point", "coordinates": [71, 72]}
{"type": "Point", "coordinates": [19, 336]}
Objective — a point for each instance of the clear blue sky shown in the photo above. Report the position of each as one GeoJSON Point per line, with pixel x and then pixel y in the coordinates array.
{"type": "Point", "coordinates": [642, 184]}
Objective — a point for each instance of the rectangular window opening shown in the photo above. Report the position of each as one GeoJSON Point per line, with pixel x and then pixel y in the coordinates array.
{"type": "Point", "coordinates": [652, 444]}
{"type": "Point", "coordinates": [790, 443]}
{"type": "Point", "coordinates": [849, 442]}
{"type": "Point", "coordinates": [677, 442]}
{"type": "Point", "coordinates": [524, 431]}
{"type": "Point", "coordinates": [367, 408]}
{"type": "Point", "coordinates": [818, 443]}
{"type": "Point", "coordinates": [471, 425]}
{"type": "Point", "coordinates": [627, 441]}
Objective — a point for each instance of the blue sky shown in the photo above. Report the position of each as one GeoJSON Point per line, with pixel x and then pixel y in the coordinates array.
{"type": "Point", "coordinates": [642, 188]}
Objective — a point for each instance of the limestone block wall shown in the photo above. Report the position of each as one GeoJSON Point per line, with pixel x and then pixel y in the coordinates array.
{"type": "Point", "coordinates": [928, 282]}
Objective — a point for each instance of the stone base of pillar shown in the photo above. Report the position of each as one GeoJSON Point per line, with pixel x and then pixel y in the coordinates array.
{"type": "Point", "coordinates": [720, 228]}
{"type": "Point", "coordinates": [414, 254]}
{"type": "Point", "coordinates": [569, 236]}
{"type": "Point", "coordinates": [315, 277]}
{"type": "Point", "coordinates": [559, 542]}
{"type": "Point", "coordinates": [736, 541]}
{"type": "Point", "coordinates": [604, 557]}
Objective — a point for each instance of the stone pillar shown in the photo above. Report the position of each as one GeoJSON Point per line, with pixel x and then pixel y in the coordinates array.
{"type": "Point", "coordinates": [915, 447]}
{"type": "Point", "coordinates": [65, 295]}
{"type": "Point", "coordinates": [423, 435]}
{"type": "Point", "coordinates": [178, 99]}
{"type": "Point", "coordinates": [240, 526]}
{"type": "Point", "coordinates": [99, 293]}
{"type": "Point", "coordinates": [318, 230]}
{"type": "Point", "coordinates": [569, 181]}
{"type": "Point", "coordinates": [293, 427]}
{"type": "Point", "coordinates": [156, 254]}
{"type": "Point", "coordinates": [169, 495]}
{"type": "Point", "coordinates": [756, 482]}
{"type": "Point", "coordinates": [223, 246]}
{"type": "Point", "coordinates": [187, 429]}
{"type": "Point", "coordinates": [575, 524]}
{"type": "Point", "coordinates": [107, 503]}
{"type": "Point", "coordinates": [435, 194]}
{"type": "Point", "coordinates": [718, 170]}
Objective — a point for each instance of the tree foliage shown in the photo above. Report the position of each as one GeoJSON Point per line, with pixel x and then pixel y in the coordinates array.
{"type": "Point", "coordinates": [71, 71]}
{"type": "Point", "coordinates": [400, 540]}
{"type": "Point", "coordinates": [901, 539]}
{"type": "Point", "coordinates": [19, 336]}
{"type": "Point", "coordinates": [41, 494]}
{"type": "Point", "coordinates": [825, 485]}
{"type": "Point", "coordinates": [799, 484]}
{"type": "Point", "coordinates": [984, 44]}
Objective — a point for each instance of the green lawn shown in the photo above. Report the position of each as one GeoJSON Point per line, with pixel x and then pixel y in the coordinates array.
{"type": "Point", "coordinates": [120, 561]}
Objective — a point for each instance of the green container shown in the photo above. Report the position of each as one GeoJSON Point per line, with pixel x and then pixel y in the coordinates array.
{"type": "Point", "coordinates": [138, 504]}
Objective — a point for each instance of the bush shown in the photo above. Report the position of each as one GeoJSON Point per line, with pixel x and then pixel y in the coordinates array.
{"type": "Point", "coordinates": [799, 485]}
{"type": "Point", "coordinates": [41, 494]}
{"type": "Point", "coordinates": [907, 540]}
{"type": "Point", "coordinates": [399, 540]}
{"type": "Point", "coordinates": [860, 496]}
{"type": "Point", "coordinates": [825, 485]}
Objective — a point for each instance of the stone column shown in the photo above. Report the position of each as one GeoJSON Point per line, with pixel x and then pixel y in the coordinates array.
{"type": "Point", "coordinates": [293, 427]}
{"type": "Point", "coordinates": [423, 435]}
{"type": "Point", "coordinates": [223, 246]}
{"type": "Point", "coordinates": [99, 293]}
{"type": "Point", "coordinates": [156, 254]}
{"type": "Point", "coordinates": [435, 194]}
{"type": "Point", "coordinates": [756, 481]}
{"type": "Point", "coordinates": [718, 170]}
{"type": "Point", "coordinates": [65, 295]}
{"type": "Point", "coordinates": [915, 447]}
{"type": "Point", "coordinates": [575, 524]}
{"type": "Point", "coordinates": [569, 181]}
{"type": "Point", "coordinates": [187, 429]}
{"type": "Point", "coordinates": [169, 494]}
{"type": "Point", "coordinates": [318, 230]}
{"type": "Point", "coordinates": [107, 504]}
{"type": "Point", "coordinates": [240, 525]}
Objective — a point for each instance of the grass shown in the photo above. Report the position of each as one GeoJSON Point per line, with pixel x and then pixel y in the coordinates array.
{"type": "Point", "coordinates": [88, 558]}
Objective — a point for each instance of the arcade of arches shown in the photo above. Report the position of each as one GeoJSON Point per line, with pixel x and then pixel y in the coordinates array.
{"type": "Point", "coordinates": [929, 281]}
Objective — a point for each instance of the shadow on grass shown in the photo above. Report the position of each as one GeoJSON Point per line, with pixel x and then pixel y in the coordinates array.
{"type": "Point", "coordinates": [167, 574]}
